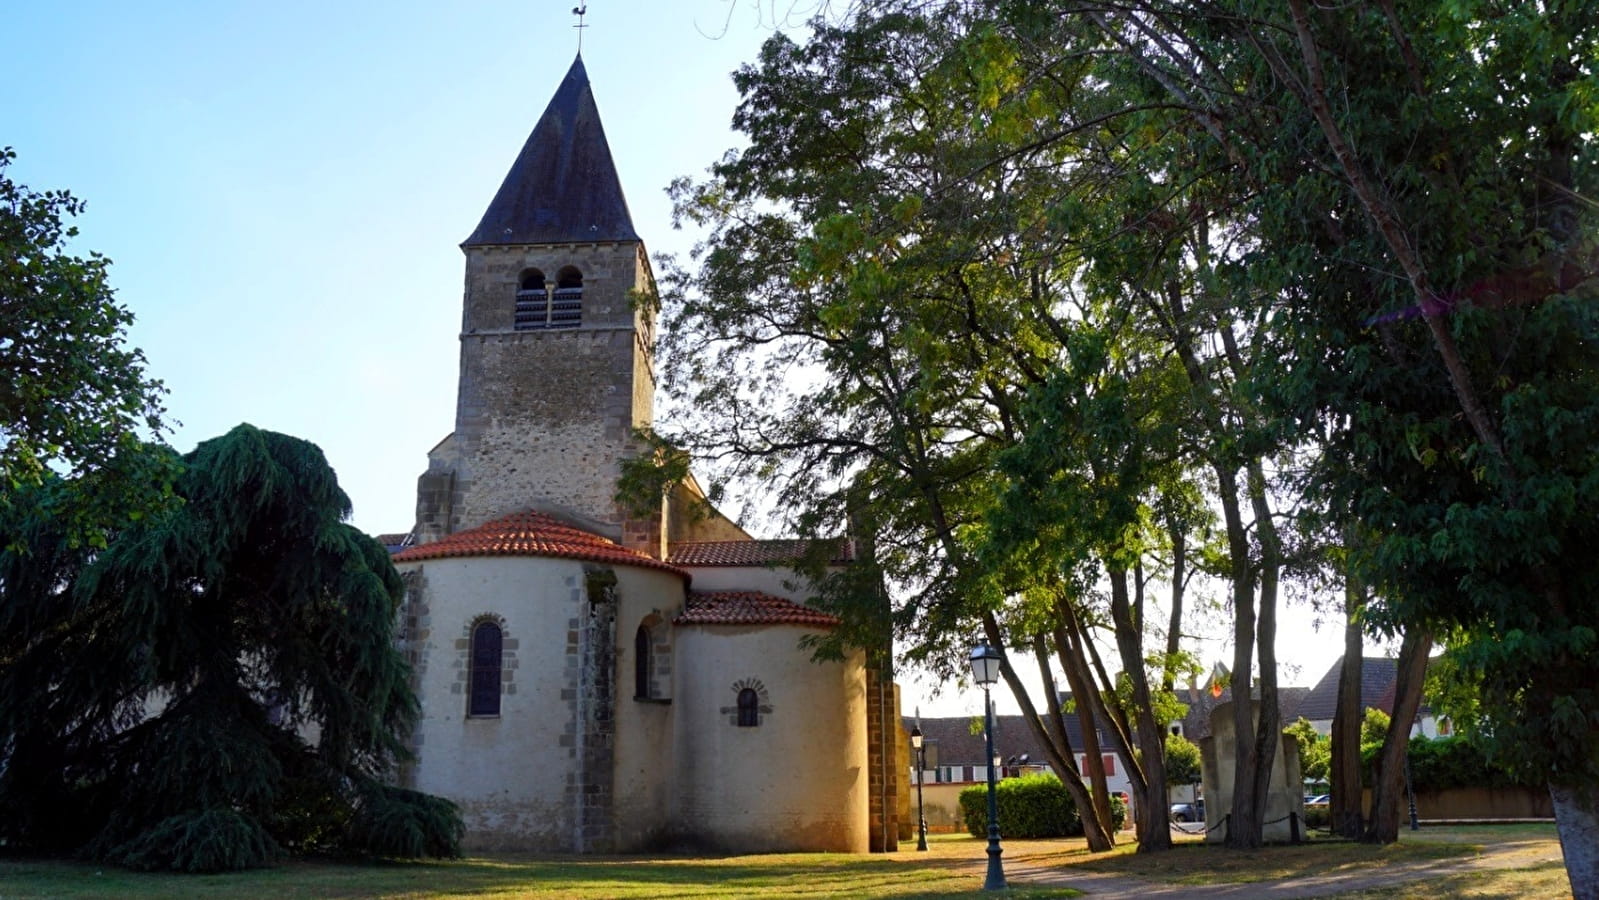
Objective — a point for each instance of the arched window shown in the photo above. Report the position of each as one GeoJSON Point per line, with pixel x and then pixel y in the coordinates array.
{"type": "Point", "coordinates": [641, 663]}
{"type": "Point", "coordinates": [485, 675]}
{"type": "Point", "coordinates": [532, 302]}
{"type": "Point", "coordinates": [566, 307]}
{"type": "Point", "coordinates": [749, 708]}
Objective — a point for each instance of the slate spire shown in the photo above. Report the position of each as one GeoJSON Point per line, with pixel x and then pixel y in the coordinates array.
{"type": "Point", "coordinates": [563, 187]}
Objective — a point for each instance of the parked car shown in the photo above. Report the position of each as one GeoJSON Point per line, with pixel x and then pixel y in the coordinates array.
{"type": "Point", "coordinates": [1188, 812]}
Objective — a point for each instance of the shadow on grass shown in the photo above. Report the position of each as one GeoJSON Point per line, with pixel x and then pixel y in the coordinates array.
{"type": "Point", "coordinates": [799, 876]}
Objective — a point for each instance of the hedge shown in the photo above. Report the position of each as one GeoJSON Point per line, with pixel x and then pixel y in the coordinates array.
{"type": "Point", "coordinates": [1032, 806]}
{"type": "Point", "coordinates": [1439, 764]}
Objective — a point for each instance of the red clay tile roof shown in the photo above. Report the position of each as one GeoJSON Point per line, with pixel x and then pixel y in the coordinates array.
{"type": "Point", "coordinates": [532, 534]}
{"type": "Point", "coordinates": [751, 553]}
{"type": "Point", "coordinates": [749, 608]}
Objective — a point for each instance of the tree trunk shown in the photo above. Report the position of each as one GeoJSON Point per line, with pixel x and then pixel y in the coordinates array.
{"type": "Point", "coordinates": [1348, 815]}
{"type": "Point", "coordinates": [1243, 824]}
{"type": "Point", "coordinates": [1098, 826]}
{"type": "Point", "coordinates": [1179, 584]}
{"type": "Point", "coordinates": [1388, 786]}
{"type": "Point", "coordinates": [1074, 786]}
{"type": "Point", "coordinates": [1577, 819]}
{"type": "Point", "coordinates": [1082, 687]}
{"type": "Point", "coordinates": [1154, 816]}
{"type": "Point", "coordinates": [1270, 734]}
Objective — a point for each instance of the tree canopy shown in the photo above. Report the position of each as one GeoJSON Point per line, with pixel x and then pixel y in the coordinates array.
{"type": "Point", "coordinates": [1007, 276]}
{"type": "Point", "coordinates": [218, 684]}
{"type": "Point", "coordinates": [73, 396]}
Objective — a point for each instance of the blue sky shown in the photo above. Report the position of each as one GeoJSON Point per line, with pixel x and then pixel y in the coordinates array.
{"type": "Point", "coordinates": [283, 188]}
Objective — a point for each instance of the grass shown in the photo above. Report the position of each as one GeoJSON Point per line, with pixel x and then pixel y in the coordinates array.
{"type": "Point", "coordinates": [896, 877]}
{"type": "Point", "coordinates": [1192, 862]}
{"type": "Point", "coordinates": [953, 867]}
{"type": "Point", "coordinates": [1543, 880]}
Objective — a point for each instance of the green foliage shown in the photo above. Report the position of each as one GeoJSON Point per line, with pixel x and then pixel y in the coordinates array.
{"type": "Point", "coordinates": [1319, 816]}
{"type": "Point", "coordinates": [395, 822]}
{"type": "Point", "coordinates": [1439, 764]}
{"type": "Point", "coordinates": [1183, 764]}
{"type": "Point", "coordinates": [1315, 750]}
{"type": "Point", "coordinates": [159, 689]}
{"type": "Point", "coordinates": [1373, 728]}
{"type": "Point", "coordinates": [74, 397]}
{"type": "Point", "coordinates": [1032, 806]}
{"type": "Point", "coordinates": [210, 840]}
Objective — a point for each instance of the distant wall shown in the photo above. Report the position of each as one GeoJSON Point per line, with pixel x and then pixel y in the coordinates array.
{"type": "Point", "coordinates": [1481, 803]}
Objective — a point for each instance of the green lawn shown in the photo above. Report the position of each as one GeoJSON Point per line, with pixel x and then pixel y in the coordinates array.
{"type": "Point", "coordinates": [952, 868]}
{"type": "Point", "coordinates": [773, 876]}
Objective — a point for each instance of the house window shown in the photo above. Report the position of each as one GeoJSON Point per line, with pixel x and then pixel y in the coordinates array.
{"type": "Point", "coordinates": [1110, 764]}
{"type": "Point", "coordinates": [485, 673]}
{"type": "Point", "coordinates": [566, 308]}
{"type": "Point", "coordinates": [749, 708]}
{"type": "Point", "coordinates": [641, 663]}
{"type": "Point", "coordinates": [532, 302]}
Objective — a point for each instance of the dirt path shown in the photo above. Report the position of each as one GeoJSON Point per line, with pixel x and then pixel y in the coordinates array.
{"type": "Point", "coordinates": [1106, 886]}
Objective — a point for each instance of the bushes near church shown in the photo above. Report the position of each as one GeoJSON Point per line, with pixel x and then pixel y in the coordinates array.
{"type": "Point", "coordinates": [1032, 806]}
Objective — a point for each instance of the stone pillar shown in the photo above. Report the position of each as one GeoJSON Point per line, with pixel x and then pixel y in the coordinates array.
{"type": "Point", "coordinates": [590, 786]}
{"type": "Point", "coordinates": [883, 779]}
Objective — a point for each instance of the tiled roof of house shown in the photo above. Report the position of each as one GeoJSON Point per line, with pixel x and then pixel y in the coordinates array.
{"type": "Point", "coordinates": [533, 534]}
{"type": "Point", "coordinates": [1378, 677]}
{"type": "Point", "coordinates": [958, 746]}
{"type": "Point", "coordinates": [394, 542]}
{"type": "Point", "coordinates": [749, 608]}
{"type": "Point", "coordinates": [752, 553]}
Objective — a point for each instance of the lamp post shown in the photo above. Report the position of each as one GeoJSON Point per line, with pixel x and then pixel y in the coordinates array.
{"type": "Point", "coordinates": [921, 770]}
{"type": "Point", "coordinates": [985, 671]}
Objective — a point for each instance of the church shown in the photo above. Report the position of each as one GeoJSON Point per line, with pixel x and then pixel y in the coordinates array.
{"type": "Point", "coordinates": [592, 681]}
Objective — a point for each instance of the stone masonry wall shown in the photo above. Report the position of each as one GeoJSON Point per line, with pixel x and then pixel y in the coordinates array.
{"type": "Point", "coordinates": [545, 417]}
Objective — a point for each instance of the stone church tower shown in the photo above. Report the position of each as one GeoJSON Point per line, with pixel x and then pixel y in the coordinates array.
{"type": "Point", "coordinates": [556, 368]}
{"type": "Point", "coordinates": [588, 682]}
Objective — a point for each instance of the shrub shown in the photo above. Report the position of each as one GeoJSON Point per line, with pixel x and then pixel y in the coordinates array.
{"type": "Point", "coordinates": [1033, 806]}
{"type": "Point", "coordinates": [1440, 764]}
{"type": "Point", "coordinates": [1319, 816]}
{"type": "Point", "coordinates": [1118, 814]}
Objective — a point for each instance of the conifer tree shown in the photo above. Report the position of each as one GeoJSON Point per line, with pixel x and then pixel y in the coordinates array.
{"type": "Point", "coordinates": [217, 686]}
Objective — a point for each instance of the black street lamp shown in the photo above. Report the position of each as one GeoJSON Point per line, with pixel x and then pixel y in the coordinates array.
{"type": "Point", "coordinates": [985, 671]}
{"type": "Point", "coordinates": [921, 769]}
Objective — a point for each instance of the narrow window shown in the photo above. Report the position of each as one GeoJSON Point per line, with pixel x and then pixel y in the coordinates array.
{"type": "Point", "coordinates": [749, 708]}
{"type": "Point", "coordinates": [532, 302]}
{"type": "Point", "coordinates": [566, 308]}
{"type": "Point", "coordinates": [641, 663]}
{"type": "Point", "coordinates": [1110, 765]}
{"type": "Point", "coordinates": [485, 699]}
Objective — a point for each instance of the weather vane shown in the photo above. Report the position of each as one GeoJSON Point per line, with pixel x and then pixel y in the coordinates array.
{"type": "Point", "coordinates": [580, 12]}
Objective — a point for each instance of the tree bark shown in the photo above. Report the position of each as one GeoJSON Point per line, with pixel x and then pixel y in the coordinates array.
{"type": "Point", "coordinates": [1577, 820]}
{"type": "Point", "coordinates": [1154, 818]}
{"type": "Point", "coordinates": [1074, 787]}
{"type": "Point", "coordinates": [1098, 826]}
{"type": "Point", "coordinates": [1270, 734]}
{"type": "Point", "coordinates": [1082, 687]}
{"type": "Point", "coordinates": [1388, 787]}
{"type": "Point", "coordinates": [1179, 584]}
{"type": "Point", "coordinates": [1243, 824]}
{"type": "Point", "coordinates": [1348, 815]}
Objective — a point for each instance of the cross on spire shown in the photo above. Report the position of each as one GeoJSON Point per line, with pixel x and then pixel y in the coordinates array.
{"type": "Point", "coordinates": [580, 11]}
